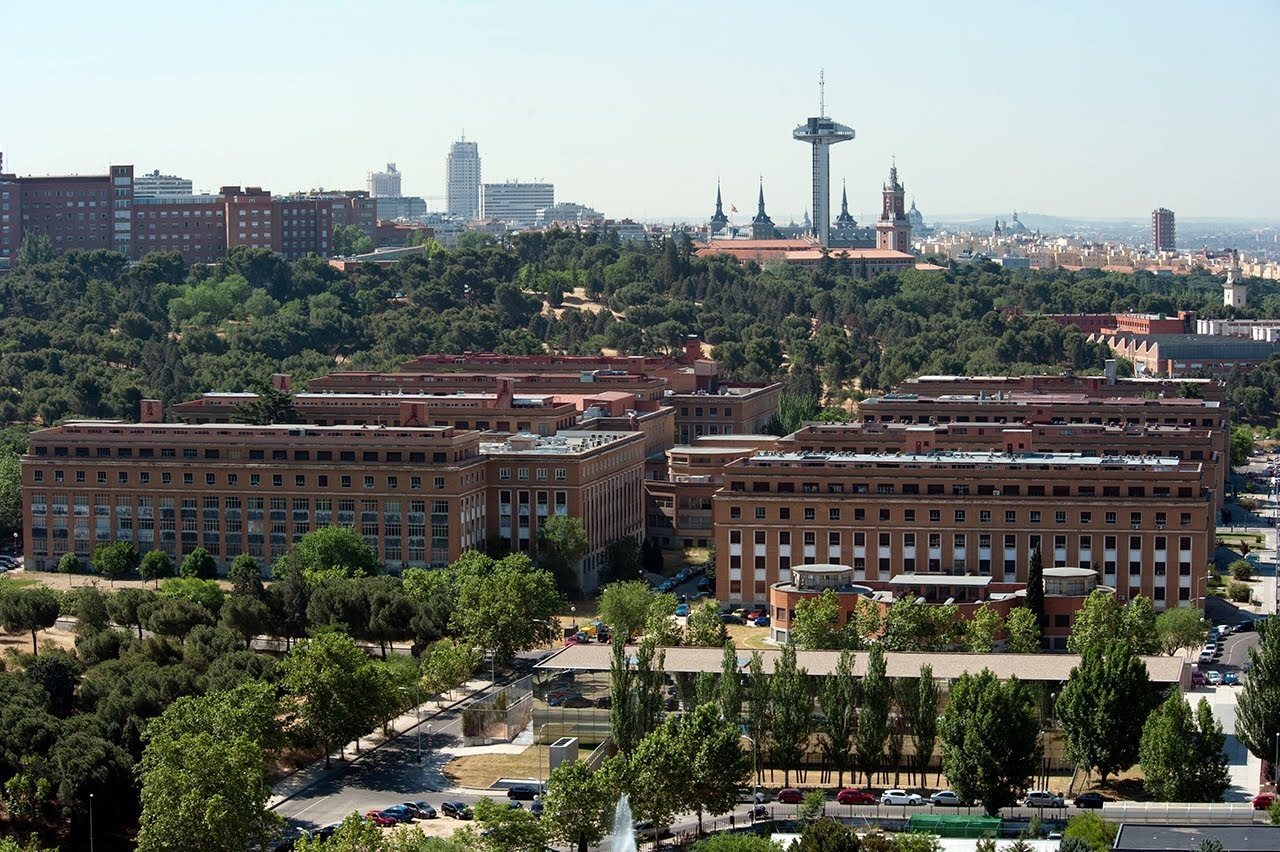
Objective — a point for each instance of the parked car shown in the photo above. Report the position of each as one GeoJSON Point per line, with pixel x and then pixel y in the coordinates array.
{"type": "Point", "coordinates": [755, 613]}
{"type": "Point", "coordinates": [704, 584]}
{"type": "Point", "coordinates": [730, 618]}
{"type": "Point", "coordinates": [682, 610]}
{"type": "Point", "coordinates": [900, 797]}
{"type": "Point", "coordinates": [1231, 679]}
{"type": "Point", "coordinates": [1205, 657]}
{"type": "Point", "coordinates": [1263, 801]}
{"type": "Point", "coordinates": [455, 809]}
{"type": "Point", "coordinates": [854, 796]}
{"type": "Point", "coordinates": [1043, 799]}
{"type": "Point", "coordinates": [1198, 678]}
{"type": "Point", "coordinates": [790, 796]}
{"type": "Point", "coordinates": [1090, 800]}
{"type": "Point", "coordinates": [524, 792]}
{"type": "Point", "coordinates": [380, 819]}
{"type": "Point", "coordinates": [946, 799]}
{"type": "Point", "coordinates": [1213, 676]}
{"type": "Point", "coordinates": [422, 809]}
{"type": "Point", "coordinates": [399, 813]}
{"type": "Point", "coordinates": [763, 621]}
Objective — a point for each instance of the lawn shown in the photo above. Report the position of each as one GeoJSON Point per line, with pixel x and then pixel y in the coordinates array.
{"type": "Point", "coordinates": [480, 771]}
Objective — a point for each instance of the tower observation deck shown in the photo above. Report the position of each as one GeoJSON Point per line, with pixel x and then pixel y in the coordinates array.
{"type": "Point", "coordinates": [821, 132]}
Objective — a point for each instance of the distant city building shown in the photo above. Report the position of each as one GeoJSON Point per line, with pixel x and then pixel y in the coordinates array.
{"type": "Point", "coordinates": [893, 231]}
{"type": "Point", "coordinates": [1235, 293]}
{"type": "Point", "coordinates": [516, 202]}
{"type": "Point", "coordinates": [762, 226]}
{"type": "Point", "coordinates": [404, 207]}
{"type": "Point", "coordinates": [719, 221]}
{"type": "Point", "coordinates": [916, 218]}
{"type": "Point", "coordinates": [566, 212]}
{"type": "Point", "coordinates": [846, 233]}
{"type": "Point", "coordinates": [462, 194]}
{"type": "Point", "coordinates": [154, 183]}
{"type": "Point", "coordinates": [385, 184]}
{"type": "Point", "coordinates": [1162, 230]}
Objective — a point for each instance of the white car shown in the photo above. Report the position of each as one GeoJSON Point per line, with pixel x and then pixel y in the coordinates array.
{"type": "Point", "coordinates": [1214, 677]}
{"type": "Point", "coordinates": [900, 797]}
{"type": "Point", "coordinates": [1043, 799]}
{"type": "Point", "coordinates": [945, 799]}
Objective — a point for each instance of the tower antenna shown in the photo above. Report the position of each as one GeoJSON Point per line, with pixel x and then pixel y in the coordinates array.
{"type": "Point", "coordinates": [822, 93]}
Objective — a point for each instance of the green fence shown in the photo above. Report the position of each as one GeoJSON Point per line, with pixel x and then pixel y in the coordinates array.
{"type": "Point", "coordinates": [958, 825]}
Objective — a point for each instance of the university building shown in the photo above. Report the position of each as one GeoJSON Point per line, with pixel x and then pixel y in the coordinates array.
{"type": "Point", "coordinates": [1146, 523]}
{"type": "Point", "coordinates": [418, 495]}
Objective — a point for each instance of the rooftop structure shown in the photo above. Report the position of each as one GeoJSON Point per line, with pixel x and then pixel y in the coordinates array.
{"type": "Point", "coordinates": [385, 184]}
{"type": "Point", "coordinates": [153, 183]}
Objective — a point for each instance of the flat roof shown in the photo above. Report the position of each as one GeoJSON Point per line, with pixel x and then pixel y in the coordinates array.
{"type": "Point", "coordinates": [1022, 398]}
{"type": "Point", "coordinates": [962, 457]}
{"type": "Point", "coordinates": [1031, 667]}
{"type": "Point", "coordinates": [111, 426]}
{"type": "Point", "coordinates": [1148, 837]}
{"type": "Point", "coordinates": [939, 580]}
{"type": "Point", "coordinates": [564, 442]}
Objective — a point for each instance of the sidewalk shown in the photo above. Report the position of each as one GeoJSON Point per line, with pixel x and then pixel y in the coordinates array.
{"type": "Point", "coordinates": [301, 779]}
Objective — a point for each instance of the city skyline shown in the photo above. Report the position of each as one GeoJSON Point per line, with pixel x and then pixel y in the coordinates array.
{"type": "Point", "coordinates": [985, 110]}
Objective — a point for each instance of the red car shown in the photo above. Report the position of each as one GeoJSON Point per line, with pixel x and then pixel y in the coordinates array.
{"type": "Point", "coordinates": [790, 796]}
{"type": "Point", "coordinates": [378, 819]}
{"type": "Point", "coordinates": [1198, 678]}
{"type": "Point", "coordinates": [1262, 801]}
{"type": "Point", "coordinates": [754, 614]}
{"type": "Point", "coordinates": [854, 796]}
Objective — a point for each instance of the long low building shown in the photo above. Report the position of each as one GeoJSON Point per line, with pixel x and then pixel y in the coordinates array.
{"type": "Point", "coordinates": [964, 513]}
{"type": "Point", "coordinates": [418, 495]}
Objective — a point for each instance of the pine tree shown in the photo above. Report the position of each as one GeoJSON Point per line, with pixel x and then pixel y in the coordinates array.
{"type": "Point", "coordinates": [1035, 587]}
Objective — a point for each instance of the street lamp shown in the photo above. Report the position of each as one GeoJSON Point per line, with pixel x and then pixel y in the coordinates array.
{"type": "Point", "coordinates": [90, 822]}
{"type": "Point", "coordinates": [417, 712]}
{"type": "Point", "coordinates": [755, 757]}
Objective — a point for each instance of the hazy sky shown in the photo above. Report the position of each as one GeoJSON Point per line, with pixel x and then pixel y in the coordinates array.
{"type": "Point", "coordinates": [1078, 108]}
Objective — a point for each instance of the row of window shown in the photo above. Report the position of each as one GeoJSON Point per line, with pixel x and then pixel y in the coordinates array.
{"type": "Point", "coordinates": [960, 489]}
{"type": "Point", "coordinates": [391, 456]}
{"type": "Point", "coordinates": [959, 541]}
{"type": "Point", "coordinates": [960, 516]}
{"type": "Point", "coordinates": [232, 480]}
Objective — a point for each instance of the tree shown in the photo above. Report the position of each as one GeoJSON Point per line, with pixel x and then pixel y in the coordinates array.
{"type": "Point", "coordinates": [349, 240]}
{"type": "Point", "coordinates": [1035, 587]}
{"type": "Point", "coordinates": [333, 547]}
{"type": "Point", "coordinates": [730, 685]}
{"type": "Point", "coordinates": [198, 565]}
{"type": "Point", "coordinates": [247, 616]}
{"type": "Point", "coordinates": [390, 612]}
{"type": "Point", "coordinates": [791, 703]}
{"type": "Point", "coordinates": [174, 617]}
{"type": "Point", "coordinates": [980, 631]}
{"type": "Point", "coordinates": [245, 575]}
{"type": "Point", "coordinates": [269, 406]}
{"type": "Point", "coordinates": [336, 682]}
{"type": "Point", "coordinates": [1096, 623]}
{"type": "Point", "coordinates": [29, 610]}
{"type": "Point", "coordinates": [735, 843]}
{"type": "Point", "coordinates": [1103, 706]}
{"type": "Point", "coordinates": [1241, 445]}
{"type": "Point", "coordinates": [562, 542]}
{"type": "Point", "coordinates": [816, 625]}
{"type": "Point", "coordinates": [116, 559]}
{"type": "Point", "coordinates": [924, 719]}
{"type": "Point", "coordinates": [204, 770]}
{"type": "Point", "coordinates": [69, 563]}
{"type": "Point", "coordinates": [622, 560]}
{"type": "Point", "coordinates": [127, 605]}
{"type": "Point", "coordinates": [990, 739]}
{"type": "Point", "coordinates": [660, 624]}
{"type": "Point", "coordinates": [1211, 844]}
{"type": "Point", "coordinates": [1138, 626]}
{"type": "Point", "coordinates": [207, 593]}
{"type": "Point", "coordinates": [650, 686]}
{"type": "Point", "coordinates": [826, 835]}
{"type": "Point", "coordinates": [447, 664]}
{"type": "Point", "coordinates": [58, 675]}
{"type": "Point", "coordinates": [1180, 628]}
{"type": "Point", "coordinates": [660, 775]}
{"type": "Point", "coordinates": [759, 691]}
{"type": "Point", "coordinates": [911, 625]}
{"type": "Point", "coordinates": [1092, 830]}
{"type": "Point", "coordinates": [624, 606]}
{"type": "Point", "coordinates": [873, 714]}
{"type": "Point", "coordinates": [1258, 705]}
{"type": "Point", "coordinates": [35, 249]}
{"type": "Point", "coordinates": [577, 806]}
{"type": "Point", "coordinates": [1181, 753]}
{"type": "Point", "coordinates": [718, 765]}
{"type": "Point", "coordinates": [1024, 632]}
{"type": "Point", "coordinates": [156, 565]}
{"type": "Point", "coordinates": [703, 627]}
{"type": "Point", "coordinates": [505, 829]}
{"type": "Point", "coordinates": [837, 699]}
{"type": "Point", "coordinates": [10, 494]}
{"type": "Point", "coordinates": [90, 607]}
{"type": "Point", "coordinates": [500, 604]}
{"type": "Point", "coordinates": [1241, 569]}
{"type": "Point", "coordinates": [623, 701]}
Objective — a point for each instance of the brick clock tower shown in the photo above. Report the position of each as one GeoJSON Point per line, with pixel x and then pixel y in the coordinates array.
{"type": "Point", "coordinates": [893, 231]}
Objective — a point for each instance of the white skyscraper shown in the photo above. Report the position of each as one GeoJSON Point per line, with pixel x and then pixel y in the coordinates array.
{"type": "Point", "coordinates": [516, 202]}
{"type": "Point", "coordinates": [463, 190]}
{"type": "Point", "coordinates": [385, 184]}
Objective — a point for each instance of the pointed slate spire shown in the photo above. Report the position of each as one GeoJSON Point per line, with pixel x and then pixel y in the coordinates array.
{"type": "Point", "coordinates": [719, 221]}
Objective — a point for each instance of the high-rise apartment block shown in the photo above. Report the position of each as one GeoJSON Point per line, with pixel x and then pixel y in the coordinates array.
{"type": "Point", "coordinates": [1162, 230]}
{"type": "Point", "coordinates": [107, 212]}
{"type": "Point", "coordinates": [516, 203]}
{"type": "Point", "coordinates": [385, 184]}
{"type": "Point", "coordinates": [462, 192]}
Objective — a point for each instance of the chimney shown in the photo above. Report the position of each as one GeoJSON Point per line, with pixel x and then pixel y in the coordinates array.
{"type": "Point", "coordinates": [1110, 368]}
{"type": "Point", "coordinates": [282, 382]}
{"type": "Point", "coordinates": [506, 392]}
{"type": "Point", "coordinates": [150, 411]}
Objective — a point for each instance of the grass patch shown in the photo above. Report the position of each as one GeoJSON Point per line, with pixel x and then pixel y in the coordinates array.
{"type": "Point", "coordinates": [482, 770]}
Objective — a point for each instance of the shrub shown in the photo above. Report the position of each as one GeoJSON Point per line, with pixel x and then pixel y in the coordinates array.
{"type": "Point", "coordinates": [1241, 570]}
{"type": "Point", "coordinates": [1239, 592]}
